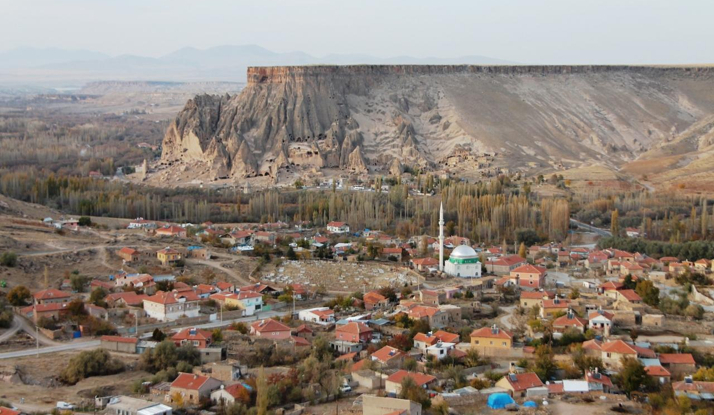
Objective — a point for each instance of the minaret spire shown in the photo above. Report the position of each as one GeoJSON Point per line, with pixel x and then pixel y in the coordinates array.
{"type": "Point", "coordinates": [441, 237]}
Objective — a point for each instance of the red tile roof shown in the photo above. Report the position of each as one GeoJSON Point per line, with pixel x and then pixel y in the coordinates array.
{"type": "Point", "coordinates": [657, 371]}
{"type": "Point", "coordinates": [509, 261]}
{"type": "Point", "coordinates": [695, 386]}
{"type": "Point", "coordinates": [420, 379]}
{"type": "Point", "coordinates": [618, 346]}
{"type": "Point", "coordinates": [556, 303]}
{"type": "Point", "coordinates": [387, 353]}
{"type": "Point", "coordinates": [565, 321]}
{"type": "Point", "coordinates": [529, 269]}
{"type": "Point", "coordinates": [630, 295]}
{"type": "Point", "coordinates": [611, 285]}
{"type": "Point", "coordinates": [488, 332]}
{"type": "Point", "coordinates": [172, 297]}
{"type": "Point", "coordinates": [51, 294]}
{"type": "Point", "coordinates": [268, 325]}
{"type": "Point", "coordinates": [192, 334]}
{"type": "Point", "coordinates": [128, 251]}
{"type": "Point", "coordinates": [373, 298]}
{"type": "Point", "coordinates": [354, 328]}
{"type": "Point", "coordinates": [447, 337]}
{"type": "Point", "coordinates": [677, 358]}
{"type": "Point", "coordinates": [189, 381]}
{"type": "Point", "coordinates": [119, 339]}
{"type": "Point", "coordinates": [536, 295]}
{"type": "Point", "coordinates": [592, 345]}
{"type": "Point", "coordinates": [8, 411]}
{"type": "Point", "coordinates": [425, 261]}
{"type": "Point", "coordinates": [522, 381]}
{"type": "Point", "coordinates": [598, 378]}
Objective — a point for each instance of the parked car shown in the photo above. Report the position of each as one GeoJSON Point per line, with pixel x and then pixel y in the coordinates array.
{"type": "Point", "coordinates": [64, 405]}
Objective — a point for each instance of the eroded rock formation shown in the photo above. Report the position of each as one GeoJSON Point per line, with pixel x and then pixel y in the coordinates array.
{"type": "Point", "coordinates": [378, 119]}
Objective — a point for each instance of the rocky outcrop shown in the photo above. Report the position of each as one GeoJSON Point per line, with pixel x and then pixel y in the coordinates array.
{"type": "Point", "coordinates": [383, 118]}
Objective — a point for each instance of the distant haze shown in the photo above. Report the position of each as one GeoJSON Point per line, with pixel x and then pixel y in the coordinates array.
{"type": "Point", "coordinates": [143, 38]}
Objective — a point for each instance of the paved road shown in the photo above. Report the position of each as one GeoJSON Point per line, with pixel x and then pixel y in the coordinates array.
{"type": "Point", "coordinates": [599, 231]}
{"type": "Point", "coordinates": [52, 349]}
{"type": "Point", "coordinates": [91, 344]}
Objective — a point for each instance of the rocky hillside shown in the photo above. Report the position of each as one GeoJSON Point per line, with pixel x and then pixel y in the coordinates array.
{"type": "Point", "coordinates": [299, 121]}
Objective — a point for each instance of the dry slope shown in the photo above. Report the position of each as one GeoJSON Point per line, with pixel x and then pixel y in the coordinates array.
{"type": "Point", "coordinates": [370, 119]}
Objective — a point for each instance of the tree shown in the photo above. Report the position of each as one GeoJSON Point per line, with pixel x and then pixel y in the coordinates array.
{"type": "Point", "coordinates": [615, 223]}
{"type": "Point", "coordinates": [632, 376]}
{"type": "Point", "coordinates": [84, 221]}
{"type": "Point", "coordinates": [574, 294]}
{"type": "Point", "coordinates": [177, 399]}
{"type": "Point", "coordinates": [291, 254]}
{"type": "Point", "coordinates": [472, 358]}
{"type": "Point", "coordinates": [522, 250]}
{"type": "Point", "coordinates": [158, 335]}
{"type": "Point", "coordinates": [261, 401]}
{"type": "Point", "coordinates": [78, 282]}
{"type": "Point", "coordinates": [97, 297]}
{"type": "Point", "coordinates": [648, 292]}
{"type": "Point", "coordinates": [8, 259]}
{"type": "Point", "coordinates": [90, 363]}
{"type": "Point", "coordinates": [19, 295]}
{"type": "Point", "coordinates": [208, 276]}
{"type": "Point", "coordinates": [76, 308]}
{"type": "Point", "coordinates": [695, 311]}
{"type": "Point", "coordinates": [628, 283]}
{"type": "Point", "coordinates": [413, 392]}
{"type": "Point", "coordinates": [544, 364]}
{"type": "Point", "coordinates": [217, 335]}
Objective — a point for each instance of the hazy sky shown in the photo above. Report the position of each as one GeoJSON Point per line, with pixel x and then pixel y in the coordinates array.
{"type": "Point", "coordinates": [526, 31]}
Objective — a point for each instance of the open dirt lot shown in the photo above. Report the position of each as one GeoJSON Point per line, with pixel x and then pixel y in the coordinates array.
{"type": "Point", "coordinates": [35, 382]}
{"type": "Point", "coordinates": [339, 276]}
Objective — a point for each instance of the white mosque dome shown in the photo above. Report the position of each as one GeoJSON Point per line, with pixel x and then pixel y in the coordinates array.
{"type": "Point", "coordinates": [463, 252]}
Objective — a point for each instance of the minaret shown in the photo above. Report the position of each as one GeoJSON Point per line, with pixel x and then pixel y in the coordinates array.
{"type": "Point", "coordinates": [441, 237]}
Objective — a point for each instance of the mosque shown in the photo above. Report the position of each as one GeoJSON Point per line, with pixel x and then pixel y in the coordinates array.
{"type": "Point", "coordinates": [463, 261]}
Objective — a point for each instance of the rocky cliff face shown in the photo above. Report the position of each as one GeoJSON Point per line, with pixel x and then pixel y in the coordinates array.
{"type": "Point", "coordinates": [376, 119]}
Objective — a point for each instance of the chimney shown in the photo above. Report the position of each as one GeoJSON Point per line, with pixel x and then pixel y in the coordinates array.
{"type": "Point", "coordinates": [195, 376]}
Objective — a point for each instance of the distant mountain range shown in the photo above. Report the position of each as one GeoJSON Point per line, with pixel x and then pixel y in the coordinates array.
{"type": "Point", "coordinates": [220, 63]}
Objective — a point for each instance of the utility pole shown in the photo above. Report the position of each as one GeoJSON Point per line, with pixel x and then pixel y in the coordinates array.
{"type": "Point", "coordinates": [37, 334]}
{"type": "Point", "coordinates": [136, 324]}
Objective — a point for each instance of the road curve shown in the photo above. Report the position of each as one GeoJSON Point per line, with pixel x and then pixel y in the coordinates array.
{"type": "Point", "coordinates": [599, 231]}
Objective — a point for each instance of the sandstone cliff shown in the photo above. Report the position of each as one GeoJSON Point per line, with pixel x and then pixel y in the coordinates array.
{"type": "Point", "coordinates": [376, 119]}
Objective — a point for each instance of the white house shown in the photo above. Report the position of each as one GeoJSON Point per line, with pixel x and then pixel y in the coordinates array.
{"type": "Point", "coordinates": [338, 227]}
{"type": "Point", "coordinates": [250, 301]}
{"type": "Point", "coordinates": [169, 306]}
{"type": "Point", "coordinates": [600, 320]}
{"type": "Point", "coordinates": [319, 315]}
{"type": "Point", "coordinates": [440, 350]}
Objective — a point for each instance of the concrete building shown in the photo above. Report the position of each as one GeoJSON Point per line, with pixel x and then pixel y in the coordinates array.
{"type": "Point", "coordinates": [192, 387]}
{"type": "Point", "coordinates": [375, 405]}
{"type": "Point", "coordinates": [169, 306]}
{"type": "Point", "coordinates": [119, 344]}
{"type": "Point", "coordinates": [125, 405]}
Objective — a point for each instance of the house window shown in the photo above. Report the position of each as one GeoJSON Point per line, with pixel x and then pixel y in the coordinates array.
{"type": "Point", "coordinates": [504, 343]}
{"type": "Point", "coordinates": [491, 342]}
{"type": "Point", "coordinates": [609, 355]}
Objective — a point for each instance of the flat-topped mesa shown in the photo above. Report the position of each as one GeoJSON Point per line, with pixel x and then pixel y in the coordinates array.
{"type": "Point", "coordinates": [465, 121]}
{"type": "Point", "coordinates": [279, 74]}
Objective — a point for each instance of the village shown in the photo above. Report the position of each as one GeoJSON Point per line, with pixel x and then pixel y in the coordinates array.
{"type": "Point", "coordinates": [209, 317]}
